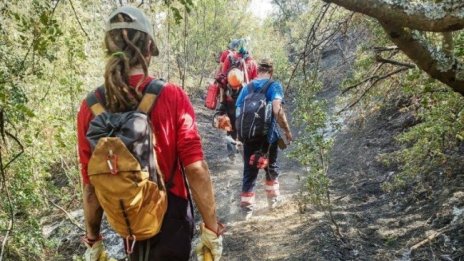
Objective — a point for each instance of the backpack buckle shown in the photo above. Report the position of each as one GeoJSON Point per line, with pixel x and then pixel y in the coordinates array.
{"type": "Point", "coordinates": [129, 246]}
{"type": "Point", "coordinates": [112, 161]}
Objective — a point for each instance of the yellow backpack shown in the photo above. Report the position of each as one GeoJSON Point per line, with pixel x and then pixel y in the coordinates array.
{"type": "Point", "coordinates": [123, 168]}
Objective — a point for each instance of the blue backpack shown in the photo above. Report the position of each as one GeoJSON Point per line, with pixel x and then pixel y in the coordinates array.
{"type": "Point", "coordinates": [254, 119]}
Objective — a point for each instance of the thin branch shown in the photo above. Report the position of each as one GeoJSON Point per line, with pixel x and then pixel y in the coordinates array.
{"type": "Point", "coordinates": [379, 49]}
{"type": "Point", "coordinates": [78, 21]}
{"type": "Point", "coordinates": [378, 79]}
{"type": "Point", "coordinates": [431, 237]}
{"type": "Point", "coordinates": [23, 62]}
{"type": "Point", "coordinates": [5, 239]}
{"type": "Point", "coordinates": [374, 72]}
{"type": "Point", "coordinates": [359, 83]}
{"type": "Point", "coordinates": [383, 60]}
{"type": "Point", "coordinates": [10, 206]}
{"type": "Point", "coordinates": [185, 48]}
{"type": "Point", "coordinates": [303, 55]}
{"type": "Point", "coordinates": [70, 218]}
{"type": "Point", "coordinates": [2, 126]}
{"type": "Point", "coordinates": [21, 147]}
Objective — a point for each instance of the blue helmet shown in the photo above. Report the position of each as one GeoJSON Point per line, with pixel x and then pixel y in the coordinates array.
{"type": "Point", "coordinates": [234, 44]}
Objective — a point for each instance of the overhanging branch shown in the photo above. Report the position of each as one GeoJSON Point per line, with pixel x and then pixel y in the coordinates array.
{"type": "Point", "coordinates": [445, 16]}
{"type": "Point", "coordinates": [435, 63]}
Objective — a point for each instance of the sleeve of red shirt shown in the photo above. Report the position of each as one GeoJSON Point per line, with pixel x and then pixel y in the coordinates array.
{"type": "Point", "coordinates": [226, 65]}
{"type": "Point", "coordinates": [224, 55]}
{"type": "Point", "coordinates": [83, 118]}
{"type": "Point", "coordinates": [188, 138]}
{"type": "Point", "coordinates": [252, 70]}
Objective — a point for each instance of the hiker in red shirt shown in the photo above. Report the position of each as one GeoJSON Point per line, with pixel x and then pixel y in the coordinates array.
{"type": "Point", "coordinates": [232, 81]}
{"type": "Point", "coordinates": [231, 49]}
{"type": "Point", "coordinates": [130, 46]}
{"type": "Point", "coordinates": [243, 60]}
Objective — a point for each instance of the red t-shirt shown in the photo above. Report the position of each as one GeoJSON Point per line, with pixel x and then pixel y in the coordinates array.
{"type": "Point", "coordinates": [174, 125]}
{"type": "Point", "coordinates": [252, 68]}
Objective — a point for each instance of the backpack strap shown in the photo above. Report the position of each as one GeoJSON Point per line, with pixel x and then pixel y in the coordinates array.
{"type": "Point", "coordinates": [245, 70]}
{"type": "Point", "coordinates": [250, 88]}
{"type": "Point", "coordinates": [266, 86]}
{"type": "Point", "coordinates": [94, 103]}
{"type": "Point", "coordinates": [149, 97]}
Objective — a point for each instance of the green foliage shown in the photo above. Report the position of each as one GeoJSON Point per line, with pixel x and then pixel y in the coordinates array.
{"type": "Point", "coordinates": [313, 120]}
{"type": "Point", "coordinates": [429, 147]}
{"type": "Point", "coordinates": [38, 87]}
{"type": "Point", "coordinates": [52, 56]}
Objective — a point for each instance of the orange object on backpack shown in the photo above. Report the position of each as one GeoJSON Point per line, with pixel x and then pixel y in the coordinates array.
{"type": "Point", "coordinates": [212, 96]}
{"type": "Point", "coordinates": [235, 78]}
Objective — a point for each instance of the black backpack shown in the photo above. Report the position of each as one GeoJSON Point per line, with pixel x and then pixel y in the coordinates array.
{"type": "Point", "coordinates": [255, 115]}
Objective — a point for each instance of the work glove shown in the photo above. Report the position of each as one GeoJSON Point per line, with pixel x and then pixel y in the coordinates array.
{"type": "Point", "coordinates": [210, 240]}
{"type": "Point", "coordinates": [96, 252]}
{"type": "Point", "coordinates": [224, 123]}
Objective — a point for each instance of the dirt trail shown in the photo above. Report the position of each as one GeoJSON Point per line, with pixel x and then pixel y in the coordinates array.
{"type": "Point", "coordinates": [284, 233]}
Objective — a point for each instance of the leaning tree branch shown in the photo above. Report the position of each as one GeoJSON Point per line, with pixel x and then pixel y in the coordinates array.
{"type": "Point", "coordinates": [374, 83]}
{"type": "Point", "coordinates": [69, 216]}
{"type": "Point", "coordinates": [79, 21]}
{"type": "Point", "coordinates": [379, 49]}
{"type": "Point", "coordinates": [435, 63]}
{"type": "Point", "coordinates": [380, 59]}
{"type": "Point", "coordinates": [446, 16]}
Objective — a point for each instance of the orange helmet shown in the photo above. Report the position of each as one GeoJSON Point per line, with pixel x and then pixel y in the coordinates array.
{"type": "Point", "coordinates": [235, 78]}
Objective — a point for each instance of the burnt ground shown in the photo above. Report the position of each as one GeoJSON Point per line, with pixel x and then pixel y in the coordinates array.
{"type": "Point", "coordinates": [385, 226]}
{"type": "Point", "coordinates": [288, 232]}
{"type": "Point", "coordinates": [375, 224]}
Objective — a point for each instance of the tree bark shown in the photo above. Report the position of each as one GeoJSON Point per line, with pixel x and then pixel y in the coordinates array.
{"type": "Point", "coordinates": [437, 64]}
{"type": "Point", "coordinates": [446, 16]}
{"type": "Point", "coordinates": [448, 45]}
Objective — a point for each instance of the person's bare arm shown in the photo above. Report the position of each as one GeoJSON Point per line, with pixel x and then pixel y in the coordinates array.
{"type": "Point", "coordinates": [202, 192]}
{"type": "Point", "coordinates": [281, 118]}
{"type": "Point", "coordinates": [93, 212]}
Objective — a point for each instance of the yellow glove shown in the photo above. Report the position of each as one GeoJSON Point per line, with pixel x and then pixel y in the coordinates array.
{"type": "Point", "coordinates": [97, 252]}
{"type": "Point", "coordinates": [211, 241]}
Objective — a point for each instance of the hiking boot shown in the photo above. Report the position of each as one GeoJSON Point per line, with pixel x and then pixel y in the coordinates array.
{"type": "Point", "coordinates": [247, 200]}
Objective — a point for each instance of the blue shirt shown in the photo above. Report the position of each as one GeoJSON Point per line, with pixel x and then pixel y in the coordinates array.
{"type": "Point", "coordinates": [274, 92]}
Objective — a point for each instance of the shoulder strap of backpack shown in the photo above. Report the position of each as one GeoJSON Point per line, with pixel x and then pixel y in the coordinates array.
{"type": "Point", "coordinates": [149, 96]}
{"type": "Point", "coordinates": [250, 88]}
{"type": "Point", "coordinates": [266, 86]}
{"type": "Point", "coordinates": [93, 102]}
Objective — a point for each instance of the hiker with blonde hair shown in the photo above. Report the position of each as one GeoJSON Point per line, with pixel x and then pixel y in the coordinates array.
{"type": "Point", "coordinates": [138, 146]}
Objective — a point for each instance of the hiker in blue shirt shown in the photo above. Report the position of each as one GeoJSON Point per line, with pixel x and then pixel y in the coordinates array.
{"type": "Point", "coordinates": [268, 143]}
